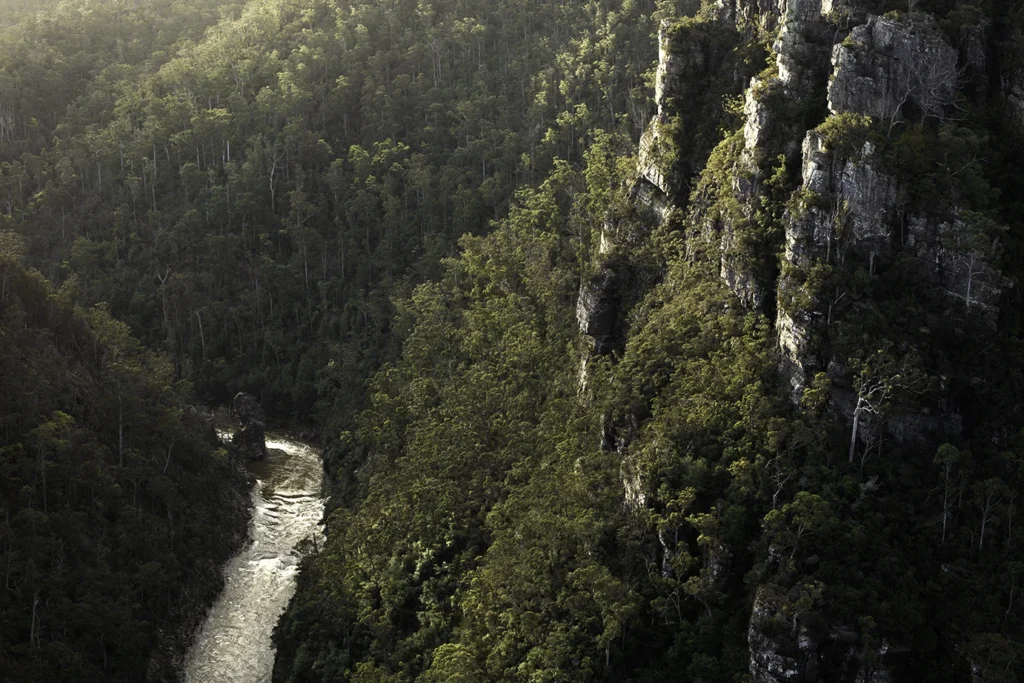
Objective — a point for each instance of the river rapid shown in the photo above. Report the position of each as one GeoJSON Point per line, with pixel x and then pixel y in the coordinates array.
{"type": "Point", "coordinates": [234, 645]}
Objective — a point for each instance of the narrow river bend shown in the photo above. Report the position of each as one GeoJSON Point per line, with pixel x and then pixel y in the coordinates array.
{"type": "Point", "coordinates": [233, 645]}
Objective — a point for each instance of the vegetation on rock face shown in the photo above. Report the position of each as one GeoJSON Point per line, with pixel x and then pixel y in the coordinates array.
{"type": "Point", "coordinates": [379, 215]}
{"type": "Point", "coordinates": [687, 519]}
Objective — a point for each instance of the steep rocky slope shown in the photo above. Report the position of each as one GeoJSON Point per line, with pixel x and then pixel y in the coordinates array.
{"type": "Point", "coordinates": [852, 209]}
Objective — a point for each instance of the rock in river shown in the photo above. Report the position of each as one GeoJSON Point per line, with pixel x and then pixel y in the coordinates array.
{"type": "Point", "coordinates": [250, 438]}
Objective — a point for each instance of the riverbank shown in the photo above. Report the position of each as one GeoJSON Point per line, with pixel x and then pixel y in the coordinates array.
{"type": "Point", "coordinates": [203, 583]}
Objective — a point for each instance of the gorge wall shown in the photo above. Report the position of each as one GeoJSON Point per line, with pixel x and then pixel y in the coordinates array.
{"type": "Point", "coordinates": [851, 194]}
{"type": "Point", "coordinates": [733, 399]}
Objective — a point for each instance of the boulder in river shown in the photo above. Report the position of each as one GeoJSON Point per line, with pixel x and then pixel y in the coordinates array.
{"type": "Point", "coordinates": [250, 438]}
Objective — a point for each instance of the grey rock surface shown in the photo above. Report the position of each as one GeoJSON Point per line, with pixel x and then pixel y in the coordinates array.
{"type": "Point", "coordinates": [887, 65]}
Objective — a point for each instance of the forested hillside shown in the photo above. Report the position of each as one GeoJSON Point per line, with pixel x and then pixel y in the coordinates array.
{"type": "Point", "coordinates": [781, 440]}
{"type": "Point", "coordinates": [13, 11]}
{"type": "Point", "coordinates": [246, 184]}
{"type": "Point", "coordinates": [249, 200]}
{"type": "Point", "coordinates": [118, 509]}
{"type": "Point", "coordinates": [648, 340]}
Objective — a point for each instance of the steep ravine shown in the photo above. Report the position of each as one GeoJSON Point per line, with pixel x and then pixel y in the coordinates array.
{"type": "Point", "coordinates": [234, 644]}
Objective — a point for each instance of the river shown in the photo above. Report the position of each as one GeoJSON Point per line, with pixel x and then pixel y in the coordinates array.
{"type": "Point", "coordinates": [233, 645]}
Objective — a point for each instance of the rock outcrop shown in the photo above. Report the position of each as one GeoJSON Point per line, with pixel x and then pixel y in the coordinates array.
{"type": "Point", "coordinates": [887, 66]}
{"type": "Point", "coordinates": [842, 86]}
{"type": "Point", "coordinates": [854, 210]}
{"type": "Point", "coordinates": [790, 643]}
{"type": "Point", "coordinates": [804, 36]}
{"type": "Point", "coordinates": [847, 213]}
{"type": "Point", "coordinates": [696, 67]}
{"type": "Point", "coordinates": [250, 439]}
{"type": "Point", "coordinates": [1013, 91]}
{"type": "Point", "coordinates": [1011, 76]}
{"type": "Point", "coordinates": [597, 309]}
{"type": "Point", "coordinates": [776, 107]}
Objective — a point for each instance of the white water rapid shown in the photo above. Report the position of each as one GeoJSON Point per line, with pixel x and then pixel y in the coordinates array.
{"type": "Point", "coordinates": [234, 643]}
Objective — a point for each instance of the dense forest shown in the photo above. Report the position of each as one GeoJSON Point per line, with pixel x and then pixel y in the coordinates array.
{"type": "Point", "coordinates": [249, 201]}
{"type": "Point", "coordinates": [648, 340]}
{"type": "Point", "coordinates": [118, 508]}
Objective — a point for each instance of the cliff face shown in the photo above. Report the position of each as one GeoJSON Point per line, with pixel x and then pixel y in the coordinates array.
{"type": "Point", "coordinates": [857, 213]}
{"type": "Point", "coordinates": [851, 208]}
{"type": "Point", "coordinates": [851, 174]}
{"type": "Point", "coordinates": [697, 66]}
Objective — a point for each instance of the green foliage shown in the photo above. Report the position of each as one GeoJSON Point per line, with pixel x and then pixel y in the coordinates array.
{"type": "Point", "coordinates": [272, 193]}
{"type": "Point", "coordinates": [490, 539]}
{"type": "Point", "coordinates": [114, 513]}
{"type": "Point", "coordinates": [944, 167]}
{"type": "Point", "coordinates": [844, 134]}
{"type": "Point", "coordinates": [249, 198]}
{"type": "Point", "coordinates": [623, 529]}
